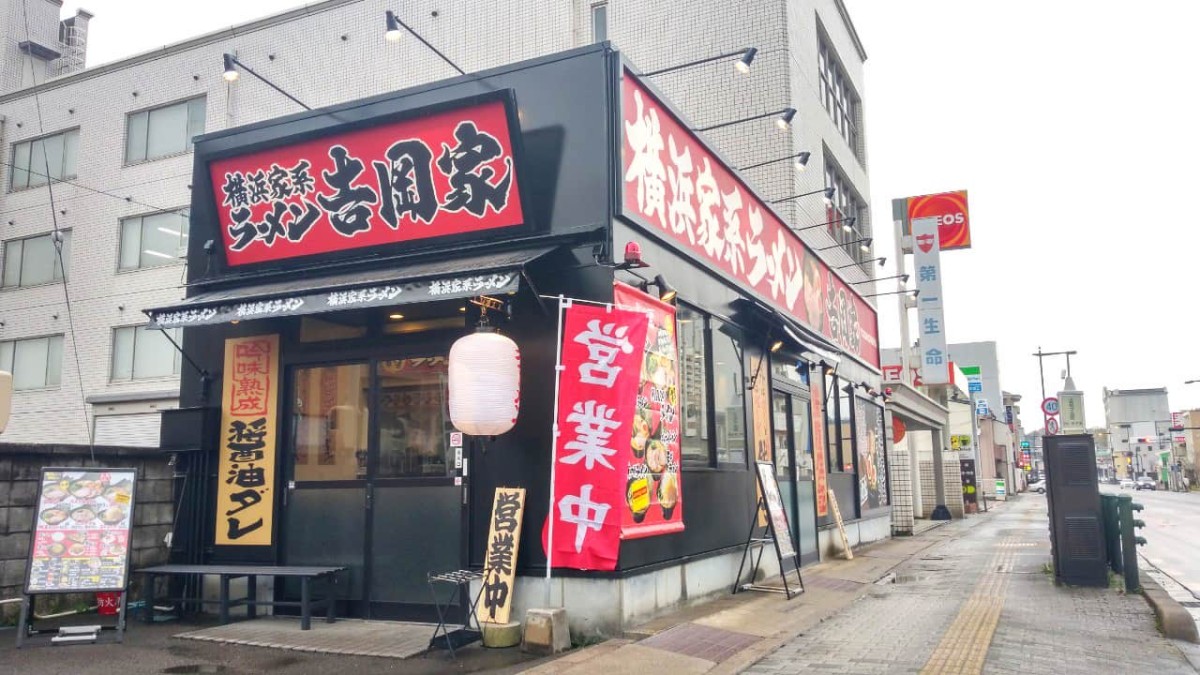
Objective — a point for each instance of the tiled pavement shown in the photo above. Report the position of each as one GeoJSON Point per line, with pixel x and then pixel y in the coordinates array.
{"type": "Point", "coordinates": [982, 602]}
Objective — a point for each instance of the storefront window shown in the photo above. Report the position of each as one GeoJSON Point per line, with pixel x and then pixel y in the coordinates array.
{"type": "Point", "coordinates": [693, 403]}
{"type": "Point", "coordinates": [729, 394]}
{"type": "Point", "coordinates": [330, 422]}
{"type": "Point", "coordinates": [872, 460]}
{"type": "Point", "coordinates": [832, 432]}
{"type": "Point", "coordinates": [414, 420]}
{"type": "Point", "coordinates": [846, 437]}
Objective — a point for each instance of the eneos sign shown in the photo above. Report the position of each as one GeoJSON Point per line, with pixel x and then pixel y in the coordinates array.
{"type": "Point", "coordinates": [950, 209]}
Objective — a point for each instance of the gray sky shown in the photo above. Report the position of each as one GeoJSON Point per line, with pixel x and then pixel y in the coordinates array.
{"type": "Point", "coordinates": [1072, 126]}
{"type": "Point", "coordinates": [1074, 129]}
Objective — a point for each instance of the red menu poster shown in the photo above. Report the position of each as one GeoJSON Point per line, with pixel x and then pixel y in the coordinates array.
{"type": "Point", "coordinates": [654, 489]}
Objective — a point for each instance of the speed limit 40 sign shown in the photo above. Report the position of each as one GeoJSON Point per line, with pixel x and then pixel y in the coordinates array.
{"type": "Point", "coordinates": [1050, 406]}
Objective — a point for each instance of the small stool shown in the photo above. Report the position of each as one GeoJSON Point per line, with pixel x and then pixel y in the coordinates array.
{"type": "Point", "coordinates": [461, 582]}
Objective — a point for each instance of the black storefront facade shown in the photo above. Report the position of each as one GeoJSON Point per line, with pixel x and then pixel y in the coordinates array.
{"type": "Point", "coordinates": [363, 273]}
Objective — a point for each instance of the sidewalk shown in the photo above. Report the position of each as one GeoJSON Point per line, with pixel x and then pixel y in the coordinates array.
{"type": "Point", "coordinates": [971, 596]}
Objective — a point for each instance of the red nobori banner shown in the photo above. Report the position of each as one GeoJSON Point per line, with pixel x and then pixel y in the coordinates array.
{"type": "Point", "coordinates": [674, 183]}
{"type": "Point", "coordinates": [653, 485]}
{"type": "Point", "coordinates": [602, 352]}
{"type": "Point", "coordinates": [443, 174]}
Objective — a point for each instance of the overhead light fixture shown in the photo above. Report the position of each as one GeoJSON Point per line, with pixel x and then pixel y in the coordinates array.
{"type": "Point", "coordinates": [231, 72]}
{"type": "Point", "coordinates": [865, 246]}
{"type": "Point", "coordinates": [882, 261]}
{"type": "Point", "coordinates": [742, 65]}
{"type": "Point", "coordinates": [395, 316]}
{"type": "Point", "coordinates": [776, 346]}
{"type": "Point", "coordinates": [865, 241]}
{"type": "Point", "coordinates": [666, 292]}
{"type": "Point", "coordinates": [828, 222]}
{"type": "Point", "coordinates": [159, 254]}
{"type": "Point", "coordinates": [914, 293]}
{"type": "Point", "coordinates": [462, 309]}
{"type": "Point", "coordinates": [783, 120]}
{"type": "Point", "coordinates": [799, 161]}
{"type": "Point", "coordinates": [848, 226]}
{"type": "Point", "coordinates": [828, 198]}
{"type": "Point", "coordinates": [393, 33]}
{"type": "Point", "coordinates": [827, 192]}
{"type": "Point", "coordinates": [173, 233]}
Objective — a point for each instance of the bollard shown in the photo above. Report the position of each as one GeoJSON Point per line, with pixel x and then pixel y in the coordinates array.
{"type": "Point", "coordinates": [1112, 531]}
{"type": "Point", "coordinates": [1130, 542]}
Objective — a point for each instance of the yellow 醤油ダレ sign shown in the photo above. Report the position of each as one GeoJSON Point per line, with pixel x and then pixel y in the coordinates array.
{"type": "Point", "coordinates": [246, 476]}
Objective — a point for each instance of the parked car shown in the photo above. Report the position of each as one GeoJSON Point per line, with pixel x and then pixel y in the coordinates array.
{"type": "Point", "coordinates": [1037, 486]}
{"type": "Point", "coordinates": [1127, 484]}
{"type": "Point", "coordinates": [1146, 483]}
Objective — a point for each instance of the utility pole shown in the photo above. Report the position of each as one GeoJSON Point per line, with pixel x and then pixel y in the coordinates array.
{"type": "Point", "coordinates": [1042, 373]}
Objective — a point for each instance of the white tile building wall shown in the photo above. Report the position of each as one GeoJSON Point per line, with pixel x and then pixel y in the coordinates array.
{"type": "Point", "coordinates": [332, 52]}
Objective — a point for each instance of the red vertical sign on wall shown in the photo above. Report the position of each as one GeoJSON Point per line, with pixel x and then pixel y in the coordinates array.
{"type": "Point", "coordinates": [820, 471]}
{"type": "Point", "coordinates": [602, 354]}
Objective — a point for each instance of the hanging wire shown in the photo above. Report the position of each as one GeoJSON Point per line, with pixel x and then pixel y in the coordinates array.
{"type": "Point", "coordinates": [81, 186]}
{"type": "Point", "coordinates": [58, 246]}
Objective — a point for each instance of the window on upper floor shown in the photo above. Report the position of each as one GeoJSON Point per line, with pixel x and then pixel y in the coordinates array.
{"type": "Point", "coordinates": [838, 96]}
{"type": "Point", "coordinates": [35, 363]}
{"type": "Point", "coordinates": [35, 162]}
{"type": "Point", "coordinates": [154, 239]}
{"type": "Point", "coordinates": [846, 205]}
{"type": "Point", "coordinates": [34, 261]}
{"type": "Point", "coordinates": [599, 21]}
{"type": "Point", "coordinates": [163, 131]}
{"type": "Point", "coordinates": [140, 352]}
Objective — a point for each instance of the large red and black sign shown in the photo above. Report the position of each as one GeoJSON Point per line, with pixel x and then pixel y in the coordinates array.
{"type": "Point", "coordinates": [678, 187]}
{"type": "Point", "coordinates": [448, 173]}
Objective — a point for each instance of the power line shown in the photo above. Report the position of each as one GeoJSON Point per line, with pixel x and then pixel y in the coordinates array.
{"type": "Point", "coordinates": [58, 246]}
{"type": "Point", "coordinates": [90, 189]}
{"type": "Point", "coordinates": [50, 180]}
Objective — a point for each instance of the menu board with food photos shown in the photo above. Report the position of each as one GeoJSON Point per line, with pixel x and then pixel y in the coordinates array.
{"type": "Point", "coordinates": [81, 531]}
{"type": "Point", "coordinates": [653, 489]}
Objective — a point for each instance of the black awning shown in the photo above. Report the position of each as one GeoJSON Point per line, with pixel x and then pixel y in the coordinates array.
{"type": "Point", "coordinates": [802, 338]}
{"type": "Point", "coordinates": [460, 277]}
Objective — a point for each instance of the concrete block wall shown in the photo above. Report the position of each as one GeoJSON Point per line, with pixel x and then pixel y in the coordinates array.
{"type": "Point", "coordinates": [20, 470]}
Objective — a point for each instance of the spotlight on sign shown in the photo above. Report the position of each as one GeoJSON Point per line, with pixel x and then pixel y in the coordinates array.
{"type": "Point", "coordinates": [485, 383]}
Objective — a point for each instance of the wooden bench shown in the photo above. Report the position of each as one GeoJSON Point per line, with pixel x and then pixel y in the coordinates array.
{"type": "Point", "coordinates": [306, 575]}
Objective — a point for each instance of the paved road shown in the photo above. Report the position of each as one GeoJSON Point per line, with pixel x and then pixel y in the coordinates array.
{"type": "Point", "coordinates": [983, 602]}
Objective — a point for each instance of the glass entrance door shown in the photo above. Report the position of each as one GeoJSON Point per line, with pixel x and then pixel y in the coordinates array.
{"type": "Point", "coordinates": [417, 516]}
{"type": "Point", "coordinates": [327, 503]}
{"type": "Point", "coordinates": [794, 468]}
{"type": "Point", "coordinates": [372, 480]}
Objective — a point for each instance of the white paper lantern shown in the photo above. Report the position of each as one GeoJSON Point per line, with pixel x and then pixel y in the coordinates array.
{"type": "Point", "coordinates": [485, 383]}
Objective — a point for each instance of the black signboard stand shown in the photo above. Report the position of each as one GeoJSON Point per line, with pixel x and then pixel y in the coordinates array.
{"type": "Point", "coordinates": [777, 533]}
{"type": "Point", "coordinates": [80, 543]}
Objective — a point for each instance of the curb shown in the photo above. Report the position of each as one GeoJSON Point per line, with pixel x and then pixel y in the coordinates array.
{"type": "Point", "coordinates": [1175, 621]}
